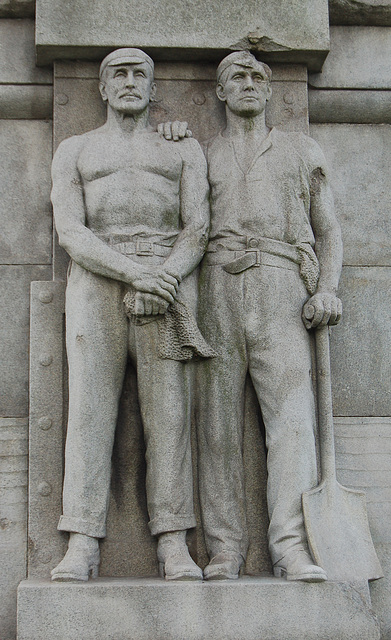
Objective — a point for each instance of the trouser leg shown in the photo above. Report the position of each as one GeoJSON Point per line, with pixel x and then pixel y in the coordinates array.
{"type": "Point", "coordinates": [220, 390]}
{"type": "Point", "coordinates": [164, 396]}
{"type": "Point", "coordinates": [96, 334]}
{"type": "Point", "coordinates": [280, 367]}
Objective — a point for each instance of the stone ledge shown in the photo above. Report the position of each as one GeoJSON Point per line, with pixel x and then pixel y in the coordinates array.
{"type": "Point", "coordinates": [145, 608]}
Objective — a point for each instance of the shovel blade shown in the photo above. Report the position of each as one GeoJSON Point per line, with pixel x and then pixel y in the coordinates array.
{"type": "Point", "coordinates": [338, 533]}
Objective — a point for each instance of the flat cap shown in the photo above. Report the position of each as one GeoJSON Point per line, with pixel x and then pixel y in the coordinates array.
{"type": "Point", "coordinates": [243, 59]}
{"type": "Point", "coordinates": [125, 56]}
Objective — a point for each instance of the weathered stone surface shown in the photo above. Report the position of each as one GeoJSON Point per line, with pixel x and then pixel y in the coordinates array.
{"type": "Point", "coordinates": [363, 456]}
{"type": "Point", "coordinates": [381, 589]}
{"type": "Point", "coordinates": [347, 105]}
{"type": "Point", "coordinates": [361, 345]}
{"type": "Point", "coordinates": [14, 335]}
{"type": "Point", "coordinates": [17, 54]}
{"type": "Point", "coordinates": [279, 29]}
{"type": "Point", "coordinates": [363, 12]}
{"type": "Point", "coordinates": [358, 157]}
{"type": "Point", "coordinates": [13, 518]}
{"type": "Point", "coordinates": [25, 149]}
{"type": "Point", "coordinates": [17, 8]}
{"type": "Point", "coordinates": [46, 546]}
{"type": "Point", "coordinates": [358, 59]}
{"type": "Point", "coordinates": [27, 102]}
{"type": "Point", "coordinates": [224, 610]}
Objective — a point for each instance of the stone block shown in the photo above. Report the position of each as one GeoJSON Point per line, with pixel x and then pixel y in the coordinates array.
{"type": "Point", "coordinates": [26, 102]}
{"type": "Point", "coordinates": [358, 59]}
{"type": "Point", "coordinates": [46, 545]}
{"type": "Point", "coordinates": [141, 609]}
{"type": "Point", "coordinates": [358, 157]}
{"type": "Point", "coordinates": [280, 30]}
{"type": "Point", "coordinates": [17, 54]}
{"type": "Point", "coordinates": [17, 8]}
{"type": "Point", "coordinates": [349, 105]}
{"type": "Point", "coordinates": [381, 591]}
{"type": "Point", "coordinates": [25, 192]}
{"type": "Point", "coordinates": [13, 518]}
{"type": "Point", "coordinates": [362, 12]}
{"type": "Point", "coordinates": [361, 344]}
{"type": "Point", "coordinates": [14, 335]}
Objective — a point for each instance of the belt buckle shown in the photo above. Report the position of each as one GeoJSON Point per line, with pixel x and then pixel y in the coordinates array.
{"type": "Point", "coordinates": [144, 248]}
{"type": "Point", "coordinates": [257, 255]}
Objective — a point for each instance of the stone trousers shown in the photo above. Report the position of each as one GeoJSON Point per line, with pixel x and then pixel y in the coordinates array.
{"type": "Point", "coordinates": [253, 320]}
{"type": "Point", "coordinates": [99, 338]}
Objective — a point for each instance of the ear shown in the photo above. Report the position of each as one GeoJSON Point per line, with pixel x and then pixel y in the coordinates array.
{"type": "Point", "coordinates": [220, 92]}
{"type": "Point", "coordinates": [152, 95]}
{"type": "Point", "coordinates": [102, 89]}
{"type": "Point", "coordinates": [269, 92]}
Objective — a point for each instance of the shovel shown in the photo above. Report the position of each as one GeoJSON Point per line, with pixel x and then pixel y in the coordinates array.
{"type": "Point", "coordinates": [335, 517]}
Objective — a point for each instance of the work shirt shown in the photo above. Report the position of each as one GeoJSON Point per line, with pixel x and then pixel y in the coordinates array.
{"type": "Point", "coordinates": [272, 198]}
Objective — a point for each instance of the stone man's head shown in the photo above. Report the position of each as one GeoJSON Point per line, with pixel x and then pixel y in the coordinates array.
{"type": "Point", "coordinates": [127, 80]}
{"type": "Point", "coordinates": [244, 83]}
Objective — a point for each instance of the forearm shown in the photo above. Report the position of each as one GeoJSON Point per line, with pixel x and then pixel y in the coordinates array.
{"type": "Point", "coordinates": [94, 255]}
{"type": "Point", "coordinates": [187, 252]}
{"type": "Point", "coordinates": [328, 249]}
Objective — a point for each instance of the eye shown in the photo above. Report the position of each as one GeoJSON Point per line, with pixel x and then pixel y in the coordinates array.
{"type": "Point", "coordinates": [237, 76]}
{"type": "Point", "coordinates": [140, 73]}
{"type": "Point", "coordinates": [119, 73]}
{"type": "Point", "coordinates": [259, 79]}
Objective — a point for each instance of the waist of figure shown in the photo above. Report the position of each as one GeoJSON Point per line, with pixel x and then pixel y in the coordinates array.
{"type": "Point", "coordinates": [244, 244]}
{"type": "Point", "coordinates": [141, 242]}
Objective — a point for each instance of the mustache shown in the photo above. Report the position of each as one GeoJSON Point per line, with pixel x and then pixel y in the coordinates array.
{"type": "Point", "coordinates": [132, 94]}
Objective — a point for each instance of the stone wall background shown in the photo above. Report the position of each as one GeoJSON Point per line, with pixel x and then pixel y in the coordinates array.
{"type": "Point", "coordinates": [350, 116]}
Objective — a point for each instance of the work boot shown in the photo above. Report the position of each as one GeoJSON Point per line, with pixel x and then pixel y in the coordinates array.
{"type": "Point", "coordinates": [224, 566]}
{"type": "Point", "coordinates": [298, 565]}
{"type": "Point", "coordinates": [80, 562]}
{"type": "Point", "coordinates": [175, 562]}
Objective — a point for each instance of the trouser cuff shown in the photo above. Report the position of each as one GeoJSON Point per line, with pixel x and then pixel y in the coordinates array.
{"type": "Point", "coordinates": [77, 525]}
{"type": "Point", "coordinates": [164, 524]}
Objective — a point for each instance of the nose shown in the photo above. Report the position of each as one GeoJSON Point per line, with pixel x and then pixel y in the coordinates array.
{"type": "Point", "coordinates": [248, 82]}
{"type": "Point", "coordinates": [130, 79]}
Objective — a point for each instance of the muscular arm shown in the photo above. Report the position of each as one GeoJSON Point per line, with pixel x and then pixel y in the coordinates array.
{"type": "Point", "coordinates": [328, 247]}
{"type": "Point", "coordinates": [81, 243]}
{"type": "Point", "coordinates": [194, 191]}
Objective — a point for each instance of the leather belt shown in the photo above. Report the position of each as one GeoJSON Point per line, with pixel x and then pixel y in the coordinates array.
{"type": "Point", "coordinates": [137, 246]}
{"type": "Point", "coordinates": [235, 258]}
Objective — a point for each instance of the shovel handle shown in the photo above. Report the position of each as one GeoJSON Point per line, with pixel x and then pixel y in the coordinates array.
{"type": "Point", "coordinates": [325, 404]}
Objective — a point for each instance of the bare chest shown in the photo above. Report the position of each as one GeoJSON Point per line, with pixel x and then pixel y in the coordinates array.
{"type": "Point", "coordinates": [105, 157]}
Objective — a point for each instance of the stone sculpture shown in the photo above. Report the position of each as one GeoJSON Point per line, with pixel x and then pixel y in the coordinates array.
{"type": "Point", "coordinates": [131, 209]}
{"type": "Point", "coordinates": [271, 204]}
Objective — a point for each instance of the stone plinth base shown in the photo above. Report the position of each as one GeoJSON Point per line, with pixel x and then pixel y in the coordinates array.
{"type": "Point", "coordinates": [151, 609]}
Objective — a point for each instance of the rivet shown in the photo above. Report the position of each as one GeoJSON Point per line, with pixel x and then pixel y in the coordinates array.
{"type": "Point", "coordinates": [45, 423]}
{"type": "Point", "coordinates": [289, 98]}
{"type": "Point", "coordinates": [44, 489]}
{"type": "Point", "coordinates": [44, 557]}
{"type": "Point", "coordinates": [46, 359]}
{"type": "Point", "coordinates": [46, 296]}
{"type": "Point", "coordinates": [62, 98]}
{"type": "Point", "coordinates": [199, 98]}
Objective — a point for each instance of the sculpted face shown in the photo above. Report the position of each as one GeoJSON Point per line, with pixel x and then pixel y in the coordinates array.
{"type": "Point", "coordinates": [128, 87]}
{"type": "Point", "coordinates": [245, 89]}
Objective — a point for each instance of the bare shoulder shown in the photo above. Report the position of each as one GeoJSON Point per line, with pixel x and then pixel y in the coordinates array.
{"type": "Point", "coordinates": [70, 148]}
{"type": "Point", "coordinates": [191, 151]}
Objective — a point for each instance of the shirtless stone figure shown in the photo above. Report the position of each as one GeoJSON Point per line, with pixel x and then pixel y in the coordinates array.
{"type": "Point", "coordinates": [274, 248]}
{"type": "Point", "coordinates": [131, 209]}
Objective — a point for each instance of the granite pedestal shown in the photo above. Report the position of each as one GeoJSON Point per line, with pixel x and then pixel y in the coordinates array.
{"type": "Point", "coordinates": [251, 608]}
